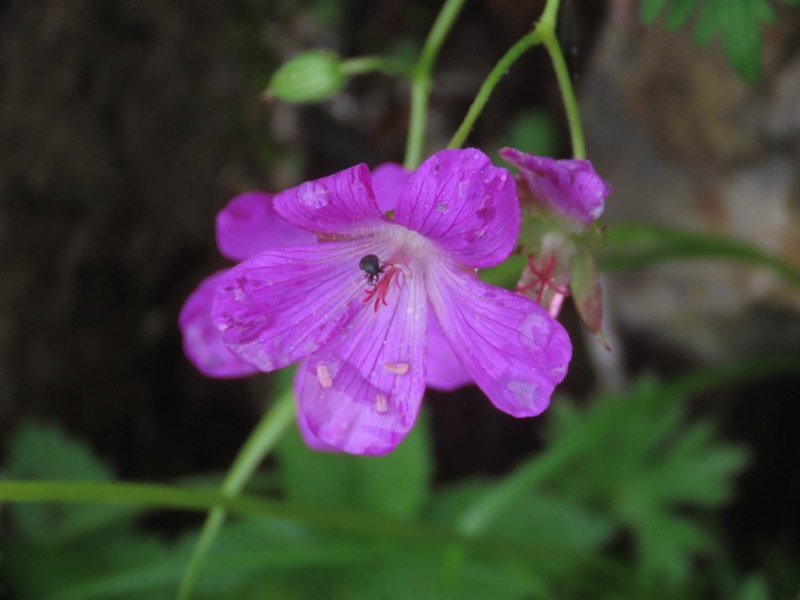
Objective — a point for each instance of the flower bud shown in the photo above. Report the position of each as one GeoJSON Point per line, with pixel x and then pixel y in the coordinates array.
{"type": "Point", "coordinates": [308, 77]}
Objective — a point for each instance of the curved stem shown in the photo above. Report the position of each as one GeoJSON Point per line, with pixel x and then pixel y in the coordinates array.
{"type": "Point", "coordinates": [264, 437]}
{"type": "Point", "coordinates": [500, 69]}
{"type": "Point", "coordinates": [367, 64]}
{"type": "Point", "coordinates": [421, 81]}
{"type": "Point", "coordinates": [543, 33]}
{"type": "Point", "coordinates": [567, 92]}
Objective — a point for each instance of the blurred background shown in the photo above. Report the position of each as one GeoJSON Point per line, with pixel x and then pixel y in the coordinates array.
{"type": "Point", "coordinates": [125, 126]}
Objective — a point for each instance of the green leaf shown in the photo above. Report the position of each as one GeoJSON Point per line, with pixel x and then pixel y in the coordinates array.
{"type": "Point", "coordinates": [679, 12]}
{"type": "Point", "coordinates": [38, 451]}
{"type": "Point", "coordinates": [392, 485]}
{"type": "Point", "coordinates": [764, 12]}
{"type": "Point", "coordinates": [650, 10]}
{"type": "Point", "coordinates": [632, 245]}
{"type": "Point", "coordinates": [736, 20]}
{"type": "Point", "coordinates": [634, 464]}
{"type": "Point", "coordinates": [707, 23]}
{"type": "Point", "coordinates": [35, 570]}
{"type": "Point", "coordinates": [754, 587]}
{"type": "Point", "coordinates": [742, 39]}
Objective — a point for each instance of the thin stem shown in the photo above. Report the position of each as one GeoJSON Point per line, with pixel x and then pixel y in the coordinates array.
{"type": "Point", "coordinates": [421, 81]}
{"type": "Point", "coordinates": [549, 16]}
{"type": "Point", "coordinates": [264, 437]}
{"type": "Point", "coordinates": [499, 70]}
{"type": "Point", "coordinates": [367, 64]}
{"type": "Point", "coordinates": [567, 92]}
{"type": "Point", "coordinates": [543, 33]}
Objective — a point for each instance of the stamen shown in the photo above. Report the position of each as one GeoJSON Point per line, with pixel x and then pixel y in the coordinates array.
{"type": "Point", "coordinates": [396, 368]}
{"type": "Point", "coordinates": [382, 403]}
{"type": "Point", "coordinates": [380, 289]}
{"type": "Point", "coordinates": [324, 376]}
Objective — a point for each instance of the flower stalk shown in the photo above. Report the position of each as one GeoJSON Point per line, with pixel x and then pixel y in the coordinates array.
{"type": "Point", "coordinates": [421, 82]}
{"type": "Point", "coordinates": [260, 443]}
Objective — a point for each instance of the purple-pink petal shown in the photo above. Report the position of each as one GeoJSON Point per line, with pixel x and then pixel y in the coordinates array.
{"type": "Point", "coordinates": [466, 206]}
{"type": "Point", "coordinates": [342, 204]}
{"type": "Point", "coordinates": [249, 224]}
{"type": "Point", "coordinates": [311, 440]}
{"type": "Point", "coordinates": [388, 180]}
{"type": "Point", "coordinates": [280, 306]}
{"type": "Point", "coordinates": [569, 186]}
{"type": "Point", "coordinates": [512, 347]}
{"type": "Point", "coordinates": [361, 393]}
{"type": "Point", "coordinates": [202, 343]}
{"type": "Point", "coordinates": [445, 371]}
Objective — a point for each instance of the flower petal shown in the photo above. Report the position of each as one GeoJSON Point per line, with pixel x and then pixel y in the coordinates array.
{"type": "Point", "coordinates": [388, 180]}
{"type": "Point", "coordinates": [512, 347]}
{"type": "Point", "coordinates": [202, 343]}
{"type": "Point", "coordinates": [445, 371]}
{"type": "Point", "coordinates": [361, 393]}
{"type": "Point", "coordinates": [308, 436]}
{"type": "Point", "coordinates": [280, 306]}
{"type": "Point", "coordinates": [249, 224]}
{"type": "Point", "coordinates": [466, 206]}
{"type": "Point", "coordinates": [342, 204]}
{"type": "Point", "coordinates": [570, 186]}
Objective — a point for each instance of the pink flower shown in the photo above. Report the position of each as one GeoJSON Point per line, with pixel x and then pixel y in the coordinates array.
{"type": "Point", "coordinates": [364, 329]}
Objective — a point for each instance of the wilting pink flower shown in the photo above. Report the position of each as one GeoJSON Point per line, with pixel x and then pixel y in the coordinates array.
{"type": "Point", "coordinates": [562, 199]}
{"type": "Point", "coordinates": [569, 187]}
{"type": "Point", "coordinates": [361, 324]}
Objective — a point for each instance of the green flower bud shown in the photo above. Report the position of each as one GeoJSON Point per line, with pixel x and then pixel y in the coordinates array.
{"type": "Point", "coordinates": [308, 77]}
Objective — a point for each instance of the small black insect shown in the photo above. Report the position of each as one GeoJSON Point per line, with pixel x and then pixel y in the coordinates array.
{"type": "Point", "coordinates": [371, 265]}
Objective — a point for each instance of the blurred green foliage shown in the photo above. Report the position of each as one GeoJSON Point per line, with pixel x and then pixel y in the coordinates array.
{"type": "Point", "coordinates": [736, 21]}
{"type": "Point", "coordinates": [620, 504]}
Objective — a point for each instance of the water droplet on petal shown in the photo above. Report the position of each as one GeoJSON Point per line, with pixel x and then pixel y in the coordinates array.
{"type": "Point", "coordinates": [382, 403]}
{"type": "Point", "coordinates": [396, 368]}
{"type": "Point", "coordinates": [324, 376]}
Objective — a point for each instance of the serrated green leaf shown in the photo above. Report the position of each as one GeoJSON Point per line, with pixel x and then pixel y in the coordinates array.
{"type": "Point", "coordinates": [741, 39]}
{"type": "Point", "coordinates": [392, 485]}
{"type": "Point", "coordinates": [667, 544]}
{"type": "Point", "coordinates": [764, 12]}
{"type": "Point", "coordinates": [707, 23]}
{"type": "Point", "coordinates": [679, 12]}
{"type": "Point", "coordinates": [650, 10]}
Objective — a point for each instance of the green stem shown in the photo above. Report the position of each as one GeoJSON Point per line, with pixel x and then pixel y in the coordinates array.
{"type": "Point", "coordinates": [421, 81]}
{"type": "Point", "coordinates": [264, 437]}
{"type": "Point", "coordinates": [567, 92]}
{"type": "Point", "coordinates": [368, 64]}
{"type": "Point", "coordinates": [499, 70]}
{"type": "Point", "coordinates": [543, 33]}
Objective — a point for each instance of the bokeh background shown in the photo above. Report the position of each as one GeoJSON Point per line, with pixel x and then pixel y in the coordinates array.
{"type": "Point", "coordinates": [125, 126]}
